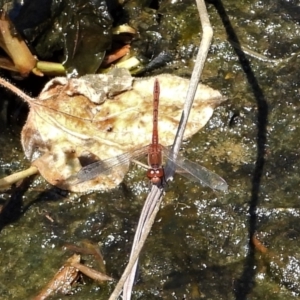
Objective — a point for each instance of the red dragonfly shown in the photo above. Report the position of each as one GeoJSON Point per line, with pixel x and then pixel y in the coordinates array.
{"type": "Point", "coordinates": [155, 171]}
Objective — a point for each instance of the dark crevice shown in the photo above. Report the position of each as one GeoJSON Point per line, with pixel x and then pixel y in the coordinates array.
{"type": "Point", "coordinates": [245, 283]}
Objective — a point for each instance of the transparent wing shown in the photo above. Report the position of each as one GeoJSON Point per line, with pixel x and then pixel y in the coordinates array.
{"type": "Point", "coordinates": [187, 168]}
{"type": "Point", "coordinates": [101, 167]}
{"type": "Point", "coordinates": [195, 172]}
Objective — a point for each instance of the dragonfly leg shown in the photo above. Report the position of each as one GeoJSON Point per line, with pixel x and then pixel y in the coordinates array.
{"type": "Point", "coordinates": [140, 164]}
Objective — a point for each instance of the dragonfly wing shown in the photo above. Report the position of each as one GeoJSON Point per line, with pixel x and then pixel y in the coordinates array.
{"type": "Point", "coordinates": [102, 167]}
{"type": "Point", "coordinates": [197, 173]}
{"type": "Point", "coordinates": [96, 168]}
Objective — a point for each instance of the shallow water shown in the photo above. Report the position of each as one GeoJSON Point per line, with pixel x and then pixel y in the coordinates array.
{"type": "Point", "coordinates": [199, 246]}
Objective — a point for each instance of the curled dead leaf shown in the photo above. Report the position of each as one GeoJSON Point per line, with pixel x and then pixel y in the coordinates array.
{"type": "Point", "coordinates": [11, 42]}
{"type": "Point", "coordinates": [67, 275]}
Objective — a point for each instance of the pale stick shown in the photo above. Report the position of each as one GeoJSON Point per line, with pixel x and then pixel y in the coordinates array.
{"type": "Point", "coordinates": [154, 199]}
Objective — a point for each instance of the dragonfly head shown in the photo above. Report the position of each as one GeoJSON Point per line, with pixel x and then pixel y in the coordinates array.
{"type": "Point", "coordinates": [156, 175]}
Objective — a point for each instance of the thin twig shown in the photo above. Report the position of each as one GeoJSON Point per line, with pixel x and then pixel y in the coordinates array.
{"type": "Point", "coordinates": [13, 178]}
{"type": "Point", "coordinates": [19, 93]}
{"type": "Point", "coordinates": [155, 193]}
{"type": "Point", "coordinates": [154, 199]}
{"type": "Point", "coordinates": [198, 68]}
{"type": "Point", "coordinates": [149, 211]}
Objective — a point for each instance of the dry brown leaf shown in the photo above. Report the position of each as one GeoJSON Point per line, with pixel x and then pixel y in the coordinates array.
{"type": "Point", "coordinates": [67, 275]}
{"type": "Point", "coordinates": [63, 280]}
{"type": "Point", "coordinates": [74, 122]}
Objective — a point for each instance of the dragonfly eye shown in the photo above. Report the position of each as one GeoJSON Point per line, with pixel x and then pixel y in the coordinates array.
{"type": "Point", "coordinates": [159, 173]}
{"type": "Point", "coordinates": [155, 175]}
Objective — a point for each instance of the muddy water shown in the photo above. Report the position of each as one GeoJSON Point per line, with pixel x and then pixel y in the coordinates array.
{"type": "Point", "coordinates": [199, 247]}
